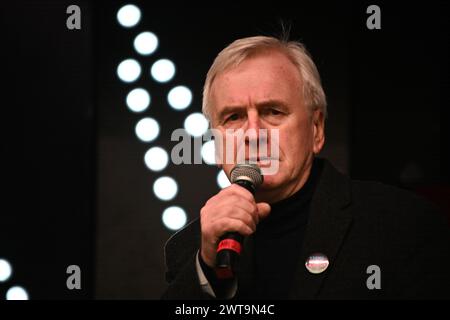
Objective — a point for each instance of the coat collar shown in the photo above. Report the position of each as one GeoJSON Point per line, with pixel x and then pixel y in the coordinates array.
{"type": "Point", "coordinates": [327, 226]}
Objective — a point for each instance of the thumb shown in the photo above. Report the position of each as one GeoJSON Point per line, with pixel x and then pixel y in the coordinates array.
{"type": "Point", "coordinates": [263, 209]}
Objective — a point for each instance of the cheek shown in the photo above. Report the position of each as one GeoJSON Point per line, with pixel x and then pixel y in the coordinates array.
{"type": "Point", "coordinates": [295, 147]}
{"type": "Point", "coordinates": [225, 149]}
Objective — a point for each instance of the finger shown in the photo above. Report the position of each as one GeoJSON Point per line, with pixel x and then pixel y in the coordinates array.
{"type": "Point", "coordinates": [248, 206]}
{"type": "Point", "coordinates": [243, 216]}
{"type": "Point", "coordinates": [263, 209]}
{"type": "Point", "coordinates": [239, 226]}
{"type": "Point", "coordinates": [241, 191]}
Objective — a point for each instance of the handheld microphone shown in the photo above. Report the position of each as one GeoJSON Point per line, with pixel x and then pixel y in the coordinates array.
{"type": "Point", "coordinates": [229, 249]}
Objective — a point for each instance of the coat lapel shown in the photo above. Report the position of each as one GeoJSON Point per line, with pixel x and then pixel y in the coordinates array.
{"type": "Point", "coordinates": [326, 229]}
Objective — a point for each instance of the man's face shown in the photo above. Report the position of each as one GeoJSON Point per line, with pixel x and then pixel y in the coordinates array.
{"type": "Point", "coordinates": [265, 92]}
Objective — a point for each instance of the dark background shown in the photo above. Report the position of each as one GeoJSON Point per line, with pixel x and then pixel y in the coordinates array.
{"type": "Point", "coordinates": [75, 187]}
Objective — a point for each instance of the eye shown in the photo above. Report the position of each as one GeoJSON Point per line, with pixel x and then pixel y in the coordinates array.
{"type": "Point", "coordinates": [272, 112]}
{"type": "Point", "coordinates": [275, 112]}
{"type": "Point", "coordinates": [233, 117]}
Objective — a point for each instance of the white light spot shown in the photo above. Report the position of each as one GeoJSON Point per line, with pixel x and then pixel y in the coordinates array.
{"type": "Point", "coordinates": [138, 100]}
{"type": "Point", "coordinates": [163, 70]}
{"type": "Point", "coordinates": [179, 97]}
{"type": "Point", "coordinates": [5, 270]}
{"type": "Point", "coordinates": [222, 180]}
{"type": "Point", "coordinates": [147, 129]}
{"type": "Point", "coordinates": [129, 15]}
{"type": "Point", "coordinates": [196, 124]}
{"type": "Point", "coordinates": [16, 293]}
{"type": "Point", "coordinates": [156, 159]}
{"type": "Point", "coordinates": [174, 218]}
{"type": "Point", "coordinates": [129, 70]}
{"type": "Point", "coordinates": [146, 43]}
{"type": "Point", "coordinates": [165, 188]}
{"type": "Point", "coordinates": [209, 152]}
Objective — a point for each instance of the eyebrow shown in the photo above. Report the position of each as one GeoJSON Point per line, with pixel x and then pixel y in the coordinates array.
{"type": "Point", "coordinates": [260, 105]}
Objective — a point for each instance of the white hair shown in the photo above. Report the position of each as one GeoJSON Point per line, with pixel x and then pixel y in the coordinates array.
{"type": "Point", "coordinates": [244, 48]}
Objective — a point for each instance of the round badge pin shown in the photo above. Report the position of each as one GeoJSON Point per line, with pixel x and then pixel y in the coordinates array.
{"type": "Point", "coordinates": [317, 263]}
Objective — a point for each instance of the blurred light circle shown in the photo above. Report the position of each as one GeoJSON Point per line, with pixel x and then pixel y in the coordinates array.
{"type": "Point", "coordinates": [129, 15]}
{"type": "Point", "coordinates": [16, 293]}
{"type": "Point", "coordinates": [209, 152]}
{"type": "Point", "coordinates": [222, 180]}
{"type": "Point", "coordinates": [165, 188]}
{"type": "Point", "coordinates": [196, 124]}
{"type": "Point", "coordinates": [156, 159]}
{"type": "Point", "coordinates": [146, 43]}
{"type": "Point", "coordinates": [163, 70]}
{"type": "Point", "coordinates": [179, 97]}
{"type": "Point", "coordinates": [129, 70]}
{"type": "Point", "coordinates": [147, 129]}
{"type": "Point", "coordinates": [138, 100]}
{"type": "Point", "coordinates": [5, 270]}
{"type": "Point", "coordinates": [174, 218]}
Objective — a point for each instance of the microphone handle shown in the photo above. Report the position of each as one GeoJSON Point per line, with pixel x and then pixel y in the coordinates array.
{"type": "Point", "coordinates": [230, 246]}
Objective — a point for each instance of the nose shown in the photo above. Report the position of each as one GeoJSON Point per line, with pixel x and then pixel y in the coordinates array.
{"type": "Point", "coordinates": [253, 120]}
{"type": "Point", "coordinates": [257, 136]}
{"type": "Point", "coordinates": [252, 126]}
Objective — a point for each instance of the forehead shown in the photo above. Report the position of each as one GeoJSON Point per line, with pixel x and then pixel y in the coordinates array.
{"type": "Point", "coordinates": [270, 75]}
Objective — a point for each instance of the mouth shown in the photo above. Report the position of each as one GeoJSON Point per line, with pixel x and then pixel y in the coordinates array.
{"type": "Point", "coordinates": [261, 161]}
{"type": "Point", "coordinates": [260, 158]}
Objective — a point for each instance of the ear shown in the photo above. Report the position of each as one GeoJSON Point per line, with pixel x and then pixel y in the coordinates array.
{"type": "Point", "coordinates": [318, 123]}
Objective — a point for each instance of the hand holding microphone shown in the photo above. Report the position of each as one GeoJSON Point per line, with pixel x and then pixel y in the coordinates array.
{"type": "Point", "coordinates": [229, 216]}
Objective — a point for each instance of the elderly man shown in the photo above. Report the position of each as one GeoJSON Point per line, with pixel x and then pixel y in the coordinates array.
{"type": "Point", "coordinates": [310, 231]}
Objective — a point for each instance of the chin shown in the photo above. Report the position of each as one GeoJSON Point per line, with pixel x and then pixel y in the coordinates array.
{"type": "Point", "coordinates": [271, 182]}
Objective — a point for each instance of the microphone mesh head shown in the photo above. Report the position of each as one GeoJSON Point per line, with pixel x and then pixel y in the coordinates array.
{"type": "Point", "coordinates": [249, 172]}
